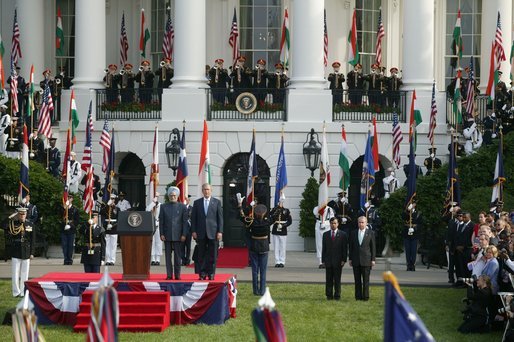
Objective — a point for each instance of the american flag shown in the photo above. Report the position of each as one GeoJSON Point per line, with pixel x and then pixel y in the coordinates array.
{"type": "Point", "coordinates": [470, 95]}
{"type": "Point", "coordinates": [397, 139]}
{"type": "Point", "coordinates": [433, 118]}
{"type": "Point", "coordinates": [15, 47]}
{"type": "Point", "coordinates": [105, 142]}
{"type": "Point", "coordinates": [167, 41]}
{"type": "Point", "coordinates": [45, 123]}
{"type": "Point", "coordinates": [233, 38]}
{"type": "Point", "coordinates": [380, 35]}
{"type": "Point", "coordinates": [87, 197]}
{"type": "Point", "coordinates": [498, 44]}
{"type": "Point", "coordinates": [14, 89]}
{"type": "Point", "coordinates": [325, 40]}
{"type": "Point", "coordinates": [124, 46]}
{"type": "Point", "coordinates": [86, 157]}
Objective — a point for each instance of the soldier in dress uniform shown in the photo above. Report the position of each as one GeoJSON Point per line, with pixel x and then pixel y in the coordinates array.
{"type": "Point", "coordinates": [53, 156]}
{"type": "Point", "coordinates": [432, 163]}
{"type": "Point", "coordinates": [109, 214]}
{"type": "Point", "coordinates": [49, 81]}
{"type": "Point", "coordinates": [93, 250]}
{"type": "Point", "coordinates": [277, 81]}
{"type": "Point", "coordinates": [240, 79]}
{"type": "Point", "coordinates": [355, 82]}
{"type": "Point", "coordinates": [490, 128]}
{"type": "Point", "coordinates": [145, 78]}
{"type": "Point", "coordinates": [127, 82]}
{"type": "Point", "coordinates": [393, 87]}
{"type": "Point", "coordinates": [472, 135]}
{"type": "Point", "coordinates": [501, 95]}
{"type": "Point", "coordinates": [411, 228]}
{"type": "Point", "coordinates": [218, 81]}
{"type": "Point", "coordinates": [336, 80]}
{"type": "Point", "coordinates": [37, 147]}
{"type": "Point", "coordinates": [164, 75]}
{"type": "Point", "coordinates": [65, 80]}
{"type": "Point", "coordinates": [259, 77]}
{"type": "Point", "coordinates": [5, 121]}
{"type": "Point", "coordinates": [71, 218]}
{"type": "Point", "coordinates": [75, 173]}
{"type": "Point", "coordinates": [390, 183]}
{"type": "Point", "coordinates": [14, 139]}
{"type": "Point", "coordinates": [280, 220]}
{"type": "Point", "coordinates": [155, 208]}
{"type": "Point", "coordinates": [419, 172]}
{"type": "Point", "coordinates": [343, 211]}
{"type": "Point", "coordinates": [32, 211]}
{"type": "Point", "coordinates": [20, 234]}
{"type": "Point", "coordinates": [375, 83]}
{"type": "Point", "coordinates": [20, 89]}
{"type": "Point", "coordinates": [111, 82]}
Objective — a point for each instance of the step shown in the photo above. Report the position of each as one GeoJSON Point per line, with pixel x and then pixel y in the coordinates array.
{"type": "Point", "coordinates": [144, 297]}
{"type": "Point", "coordinates": [128, 327]}
{"type": "Point", "coordinates": [141, 319]}
{"type": "Point", "coordinates": [85, 307]}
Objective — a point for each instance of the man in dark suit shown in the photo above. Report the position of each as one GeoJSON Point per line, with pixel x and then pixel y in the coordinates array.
{"type": "Point", "coordinates": [362, 257]}
{"type": "Point", "coordinates": [173, 227]}
{"type": "Point", "coordinates": [207, 230]}
{"type": "Point", "coordinates": [333, 255]}
{"type": "Point", "coordinates": [462, 243]}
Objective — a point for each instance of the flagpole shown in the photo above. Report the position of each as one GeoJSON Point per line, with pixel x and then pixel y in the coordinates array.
{"type": "Point", "coordinates": [452, 150]}
{"type": "Point", "coordinates": [500, 180]}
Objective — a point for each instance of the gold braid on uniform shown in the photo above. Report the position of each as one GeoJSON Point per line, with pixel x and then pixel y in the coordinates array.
{"type": "Point", "coordinates": [248, 219]}
{"type": "Point", "coordinates": [16, 230]}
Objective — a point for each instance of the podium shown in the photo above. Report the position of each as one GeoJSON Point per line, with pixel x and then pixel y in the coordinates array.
{"type": "Point", "coordinates": [135, 229]}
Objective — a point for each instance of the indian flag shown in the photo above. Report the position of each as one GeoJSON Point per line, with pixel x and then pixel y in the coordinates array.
{"type": "Point", "coordinates": [204, 169]}
{"type": "Point", "coordinates": [353, 47]}
{"type": "Point", "coordinates": [59, 35]}
{"type": "Point", "coordinates": [74, 118]}
{"type": "Point", "coordinates": [284, 41]}
{"type": "Point", "coordinates": [344, 163]}
{"type": "Point", "coordinates": [457, 99]}
{"type": "Point", "coordinates": [145, 34]}
{"type": "Point", "coordinates": [30, 99]}
{"type": "Point", "coordinates": [2, 77]}
{"type": "Point", "coordinates": [457, 38]}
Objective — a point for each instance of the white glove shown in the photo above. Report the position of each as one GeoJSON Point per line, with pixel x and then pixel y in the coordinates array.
{"type": "Point", "coordinates": [102, 263]}
{"type": "Point", "coordinates": [366, 205]}
{"type": "Point", "coordinates": [109, 202]}
{"type": "Point", "coordinates": [90, 221]}
{"type": "Point", "coordinates": [252, 203]}
{"type": "Point", "coordinates": [493, 114]}
{"type": "Point", "coordinates": [66, 227]}
{"type": "Point", "coordinates": [411, 231]}
{"type": "Point", "coordinates": [344, 220]}
{"type": "Point", "coordinates": [386, 196]}
{"type": "Point", "coordinates": [504, 107]}
{"type": "Point", "coordinates": [156, 199]}
{"type": "Point", "coordinates": [67, 203]}
{"type": "Point", "coordinates": [410, 207]}
{"type": "Point", "coordinates": [282, 197]}
{"type": "Point", "coordinates": [239, 198]}
{"type": "Point", "coordinates": [493, 135]}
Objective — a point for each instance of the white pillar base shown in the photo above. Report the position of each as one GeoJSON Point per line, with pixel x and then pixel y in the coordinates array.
{"type": "Point", "coordinates": [184, 104]}
{"type": "Point", "coordinates": [309, 105]}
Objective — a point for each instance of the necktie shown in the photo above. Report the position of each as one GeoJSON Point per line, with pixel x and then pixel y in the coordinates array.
{"type": "Point", "coordinates": [333, 235]}
{"type": "Point", "coordinates": [206, 205]}
{"type": "Point", "coordinates": [361, 236]}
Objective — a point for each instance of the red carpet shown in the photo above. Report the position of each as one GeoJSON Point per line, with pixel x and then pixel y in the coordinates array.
{"type": "Point", "coordinates": [231, 257]}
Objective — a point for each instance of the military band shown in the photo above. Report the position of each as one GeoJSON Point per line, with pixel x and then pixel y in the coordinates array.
{"type": "Point", "coordinates": [410, 233]}
{"type": "Point", "coordinates": [277, 82]}
{"type": "Point", "coordinates": [111, 82]}
{"type": "Point", "coordinates": [259, 81]}
{"type": "Point", "coordinates": [164, 75]}
{"type": "Point", "coordinates": [127, 80]}
{"type": "Point", "coordinates": [145, 78]}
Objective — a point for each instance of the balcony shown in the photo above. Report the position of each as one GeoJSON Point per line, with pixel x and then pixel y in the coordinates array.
{"type": "Point", "coordinates": [480, 111]}
{"type": "Point", "coordinates": [127, 104]}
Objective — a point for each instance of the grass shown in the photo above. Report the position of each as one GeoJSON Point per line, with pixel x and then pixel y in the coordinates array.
{"type": "Point", "coordinates": [306, 314]}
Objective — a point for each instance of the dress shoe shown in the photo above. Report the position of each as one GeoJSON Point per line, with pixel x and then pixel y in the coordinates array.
{"type": "Point", "coordinates": [277, 265]}
{"type": "Point", "coordinates": [211, 276]}
{"type": "Point", "coordinates": [321, 266]}
{"type": "Point", "coordinates": [152, 263]}
{"type": "Point", "coordinates": [330, 298]}
{"type": "Point", "coordinates": [337, 298]}
{"type": "Point", "coordinates": [202, 276]}
{"type": "Point", "coordinates": [451, 281]}
{"type": "Point", "coordinates": [169, 278]}
{"type": "Point", "coordinates": [157, 263]}
{"type": "Point", "coordinates": [281, 265]}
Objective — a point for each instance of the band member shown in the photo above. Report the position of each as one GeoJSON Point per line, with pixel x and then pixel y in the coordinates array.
{"type": "Point", "coordinates": [111, 82]}
{"type": "Point", "coordinates": [391, 183]}
{"type": "Point", "coordinates": [37, 147]}
{"type": "Point", "coordinates": [343, 212]}
{"type": "Point", "coordinates": [334, 255]}
{"type": "Point", "coordinates": [375, 83]}
{"type": "Point", "coordinates": [70, 224]}
{"type": "Point", "coordinates": [75, 173]}
{"type": "Point", "coordinates": [127, 81]}
{"type": "Point", "coordinates": [14, 139]}
{"type": "Point", "coordinates": [240, 80]}
{"type": "Point", "coordinates": [164, 75]}
{"type": "Point", "coordinates": [432, 163]}
{"type": "Point", "coordinates": [280, 220]}
{"type": "Point", "coordinates": [53, 156]}
{"type": "Point", "coordinates": [336, 80]}
{"type": "Point", "coordinates": [355, 82]}
{"type": "Point", "coordinates": [145, 78]}
{"type": "Point", "coordinates": [93, 250]}
{"type": "Point", "coordinates": [155, 208]}
{"type": "Point", "coordinates": [277, 81]}
{"type": "Point", "coordinates": [259, 77]}
{"type": "Point", "coordinates": [218, 80]}
{"type": "Point", "coordinates": [393, 87]}
{"type": "Point", "coordinates": [473, 136]}
{"type": "Point", "coordinates": [109, 215]}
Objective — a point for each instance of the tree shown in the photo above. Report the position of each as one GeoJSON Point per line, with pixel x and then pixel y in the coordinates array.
{"type": "Point", "coordinates": [307, 204]}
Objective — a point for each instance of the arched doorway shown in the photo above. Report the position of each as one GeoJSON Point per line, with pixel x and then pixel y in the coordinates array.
{"type": "Point", "coordinates": [355, 182]}
{"type": "Point", "coordinates": [132, 180]}
{"type": "Point", "coordinates": [235, 174]}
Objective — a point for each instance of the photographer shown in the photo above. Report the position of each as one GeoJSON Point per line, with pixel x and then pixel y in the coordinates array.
{"type": "Point", "coordinates": [476, 317]}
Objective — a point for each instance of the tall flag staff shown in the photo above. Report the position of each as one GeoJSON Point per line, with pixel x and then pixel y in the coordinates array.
{"type": "Point", "coordinates": [105, 142]}
{"type": "Point", "coordinates": [470, 95]}
{"type": "Point", "coordinates": [109, 172]}
{"type": "Point", "coordinates": [324, 175]}
{"type": "Point", "coordinates": [204, 169]}
{"type": "Point", "coordinates": [325, 39]}
{"type": "Point", "coordinates": [344, 163]}
{"type": "Point", "coordinates": [24, 167]}
{"type": "Point", "coordinates": [281, 175]}
{"type": "Point", "coordinates": [2, 72]}
{"type": "Point", "coordinates": [253, 172]}
{"type": "Point", "coordinates": [499, 175]}
{"type": "Point", "coordinates": [30, 102]}
{"type": "Point", "coordinates": [15, 43]}
{"type": "Point", "coordinates": [497, 56]}
{"type": "Point", "coordinates": [453, 184]}
{"type": "Point", "coordinates": [233, 39]}
{"type": "Point", "coordinates": [457, 39]}
{"type": "Point", "coordinates": [368, 174]}
{"type": "Point", "coordinates": [376, 156]}
{"type": "Point", "coordinates": [182, 172]}
{"type": "Point", "coordinates": [154, 167]}
{"type": "Point", "coordinates": [86, 156]}
{"type": "Point", "coordinates": [411, 180]}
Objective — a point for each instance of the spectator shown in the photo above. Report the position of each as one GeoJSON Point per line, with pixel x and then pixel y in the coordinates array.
{"type": "Point", "coordinates": [476, 314]}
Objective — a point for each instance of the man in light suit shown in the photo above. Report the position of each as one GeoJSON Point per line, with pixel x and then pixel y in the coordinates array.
{"type": "Point", "coordinates": [362, 257]}
{"type": "Point", "coordinates": [334, 255]}
{"type": "Point", "coordinates": [207, 230]}
{"type": "Point", "coordinates": [173, 228]}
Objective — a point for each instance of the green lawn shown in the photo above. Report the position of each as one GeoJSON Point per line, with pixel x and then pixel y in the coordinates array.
{"type": "Point", "coordinates": [306, 314]}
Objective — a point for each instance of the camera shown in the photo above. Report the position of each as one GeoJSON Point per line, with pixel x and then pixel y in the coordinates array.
{"type": "Point", "coordinates": [504, 310]}
{"type": "Point", "coordinates": [468, 280]}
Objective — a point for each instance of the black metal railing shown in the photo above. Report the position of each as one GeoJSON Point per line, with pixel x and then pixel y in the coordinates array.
{"type": "Point", "coordinates": [271, 104]}
{"type": "Point", "coordinates": [361, 106]}
{"type": "Point", "coordinates": [480, 110]}
{"type": "Point", "coordinates": [128, 104]}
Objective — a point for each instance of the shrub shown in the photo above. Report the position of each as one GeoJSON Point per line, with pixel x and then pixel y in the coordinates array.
{"type": "Point", "coordinates": [308, 202]}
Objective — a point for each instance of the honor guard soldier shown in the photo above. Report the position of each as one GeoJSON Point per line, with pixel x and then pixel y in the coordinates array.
{"type": "Point", "coordinates": [472, 135]}
{"type": "Point", "coordinates": [277, 81]}
{"type": "Point", "coordinates": [393, 87]}
{"type": "Point", "coordinates": [49, 81]}
{"type": "Point", "coordinates": [336, 80]}
{"type": "Point", "coordinates": [75, 173]}
{"type": "Point", "coordinates": [390, 182]}
{"type": "Point", "coordinates": [280, 220]}
{"type": "Point", "coordinates": [20, 236]}
{"type": "Point", "coordinates": [411, 228]}
{"type": "Point", "coordinates": [432, 163]}
{"type": "Point", "coordinates": [93, 245]}
{"type": "Point", "coordinates": [145, 80]}
{"type": "Point", "coordinates": [490, 128]}
{"type": "Point", "coordinates": [14, 138]}
{"type": "Point", "coordinates": [164, 75]}
{"type": "Point", "coordinates": [111, 82]}
{"type": "Point", "coordinates": [218, 81]}
{"type": "Point", "coordinates": [259, 77]}
{"type": "Point", "coordinates": [322, 225]}
{"type": "Point", "coordinates": [419, 172]}
{"type": "Point", "coordinates": [20, 89]}
{"type": "Point", "coordinates": [37, 147]}
{"type": "Point", "coordinates": [32, 211]}
{"type": "Point", "coordinates": [355, 82]}
{"type": "Point", "coordinates": [155, 208]}
{"type": "Point", "coordinates": [501, 95]}
{"type": "Point", "coordinates": [343, 212]}
{"type": "Point", "coordinates": [109, 215]}
{"type": "Point", "coordinates": [5, 121]}
{"type": "Point", "coordinates": [70, 215]}
{"type": "Point", "coordinates": [53, 156]}
{"type": "Point", "coordinates": [375, 82]}
{"type": "Point", "coordinates": [127, 83]}
{"type": "Point", "coordinates": [240, 78]}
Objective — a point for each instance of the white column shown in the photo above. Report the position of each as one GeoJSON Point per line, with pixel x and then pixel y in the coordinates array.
{"type": "Point", "coordinates": [489, 19]}
{"type": "Point", "coordinates": [308, 91]}
{"type": "Point", "coordinates": [30, 21]}
{"type": "Point", "coordinates": [307, 45]}
{"type": "Point", "coordinates": [189, 45]}
{"type": "Point", "coordinates": [418, 44]}
{"type": "Point", "coordinates": [90, 44]}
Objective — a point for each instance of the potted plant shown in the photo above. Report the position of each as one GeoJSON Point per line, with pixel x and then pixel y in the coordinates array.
{"type": "Point", "coordinates": [307, 219]}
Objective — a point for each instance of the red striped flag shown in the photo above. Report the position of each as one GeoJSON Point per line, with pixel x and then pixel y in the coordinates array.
{"type": "Point", "coordinates": [433, 118]}
{"type": "Point", "coordinates": [233, 40]}
{"type": "Point", "coordinates": [470, 95]}
{"type": "Point", "coordinates": [15, 44]}
{"type": "Point", "coordinates": [86, 156]}
{"type": "Point", "coordinates": [124, 46]}
{"type": "Point", "coordinates": [498, 43]}
{"type": "Point", "coordinates": [168, 38]}
{"type": "Point", "coordinates": [88, 198]}
{"type": "Point", "coordinates": [374, 149]}
{"type": "Point", "coordinates": [105, 142]}
{"type": "Point", "coordinates": [154, 167]}
{"type": "Point", "coordinates": [14, 91]}
{"type": "Point", "coordinates": [325, 40]}
{"type": "Point", "coordinates": [45, 122]}
{"type": "Point", "coordinates": [380, 35]}
{"type": "Point", "coordinates": [397, 139]}
{"type": "Point", "coordinates": [252, 172]}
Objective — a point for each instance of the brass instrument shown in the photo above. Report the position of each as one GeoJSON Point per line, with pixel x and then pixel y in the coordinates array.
{"type": "Point", "coordinates": [143, 81]}
{"type": "Point", "coordinates": [163, 71]}
{"type": "Point", "coordinates": [122, 72]}
{"type": "Point", "coordinates": [57, 81]}
{"type": "Point", "coordinates": [162, 63]}
{"type": "Point", "coordinates": [124, 78]}
{"type": "Point", "coordinates": [238, 72]}
{"type": "Point", "coordinates": [106, 71]}
{"type": "Point", "coordinates": [141, 69]}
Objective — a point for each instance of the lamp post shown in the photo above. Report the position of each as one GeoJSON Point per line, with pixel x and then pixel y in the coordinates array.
{"type": "Point", "coordinates": [312, 151]}
{"type": "Point", "coordinates": [173, 150]}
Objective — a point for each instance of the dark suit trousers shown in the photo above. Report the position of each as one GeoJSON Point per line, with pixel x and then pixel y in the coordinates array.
{"type": "Point", "coordinates": [461, 262]}
{"type": "Point", "coordinates": [186, 249]}
{"type": "Point", "coordinates": [361, 276]}
{"type": "Point", "coordinates": [333, 281]}
{"type": "Point", "coordinates": [170, 246]}
{"type": "Point", "coordinates": [207, 256]}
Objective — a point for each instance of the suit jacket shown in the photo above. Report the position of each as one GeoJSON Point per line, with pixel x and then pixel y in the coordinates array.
{"type": "Point", "coordinates": [335, 251]}
{"type": "Point", "coordinates": [463, 234]}
{"type": "Point", "coordinates": [173, 221]}
{"type": "Point", "coordinates": [207, 226]}
{"type": "Point", "coordinates": [362, 255]}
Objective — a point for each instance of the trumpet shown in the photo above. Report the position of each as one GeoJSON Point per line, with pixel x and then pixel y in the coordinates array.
{"type": "Point", "coordinates": [122, 72]}
{"type": "Point", "coordinates": [162, 64]}
{"type": "Point", "coordinates": [106, 71]}
{"type": "Point", "coordinates": [257, 67]}
{"type": "Point", "coordinates": [57, 81]}
{"type": "Point", "coordinates": [141, 68]}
